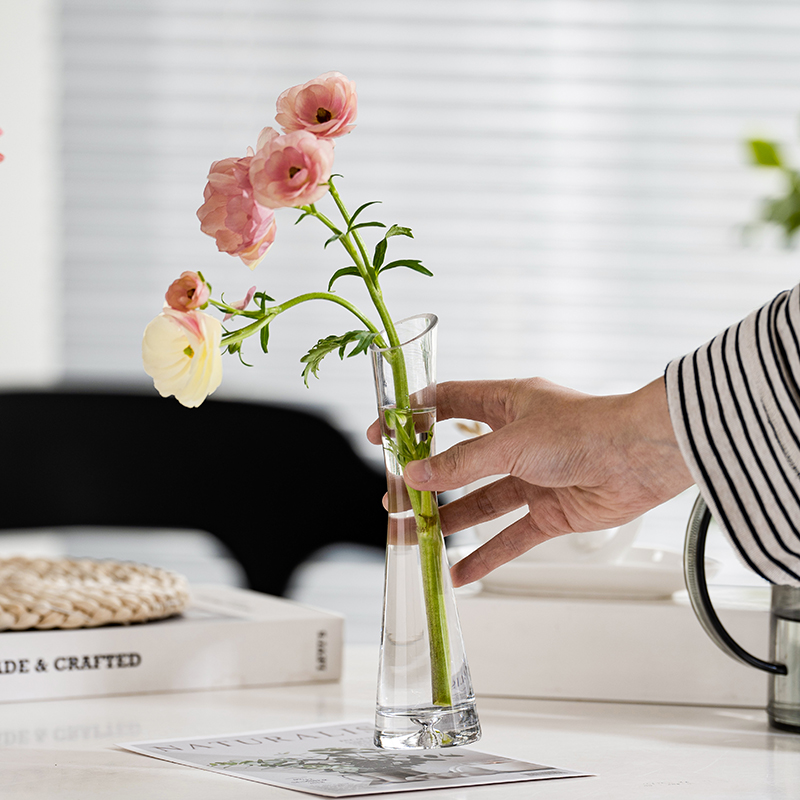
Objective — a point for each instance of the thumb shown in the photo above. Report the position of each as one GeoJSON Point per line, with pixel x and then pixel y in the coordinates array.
{"type": "Point", "coordinates": [461, 464]}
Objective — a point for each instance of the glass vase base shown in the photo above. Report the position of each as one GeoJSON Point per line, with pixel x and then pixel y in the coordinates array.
{"type": "Point", "coordinates": [426, 728]}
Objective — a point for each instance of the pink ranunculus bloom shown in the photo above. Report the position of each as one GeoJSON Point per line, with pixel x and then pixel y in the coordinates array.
{"type": "Point", "coordinates": [181, 353]}
{"type": "Point", "coordinates": [190, 291]}
{"type": "Point", "coordinates": [241, 305]}
{"type": "Point", "coordinates": [240, 225]}
{"type": "Point", "coordinates": [326, 106]}
{"type": "Point", "coordinates": [290, 170]}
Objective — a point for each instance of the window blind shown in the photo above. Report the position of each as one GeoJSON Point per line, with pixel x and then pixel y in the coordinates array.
{"type": "Point", "coordinates": [574, 174]}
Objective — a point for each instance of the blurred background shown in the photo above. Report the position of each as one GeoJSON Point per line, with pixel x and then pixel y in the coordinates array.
{"type": "Point", "coordinates": [575, 174]}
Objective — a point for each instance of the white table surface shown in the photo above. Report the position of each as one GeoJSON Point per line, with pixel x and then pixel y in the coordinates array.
{"type": "Point", "coordinates": [66, 749]}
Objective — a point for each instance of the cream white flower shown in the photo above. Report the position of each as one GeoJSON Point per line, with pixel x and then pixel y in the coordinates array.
{"type": "Point", "coordinates": [181, 353]}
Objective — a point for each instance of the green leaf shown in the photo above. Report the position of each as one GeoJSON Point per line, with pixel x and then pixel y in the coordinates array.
{"type": "Point", "coordinates": [263, 297]}
{"type": "Point", "coordinates": [360, 340]}
{"type": "Point", "coordinates": [367, 225]}
{"type": "Point", "coordinates": [363, 340]}
{"type": "Point", "coordinates": [336, 236]}
{"type": "Point", "coordinates": [410, 263]}
{"type": "Point", "coordinates": [340, 272]}
{"type": "Point", "coordinates": [360, 209]}
{"type": "Point", "coordinates": [407, 444]}
{"type": "Point", "coordinates": [302, 217]}
{"type": "Point", "coordinates": [765, 154]}
{"type": "Point", "coordinates": [236, 349]}
{"type": "Point", "coordinates": [380, 248]}
{"type": "Point", "coordinates": [264, 338]}
{"type": "Point", "coordinates": [399, 230]}
{"type": "Point", "coordinates": [785, 213]}
{"type": "Point", "coordinates": [241, 358]}
{"type": "Point", "coordinates": [380, 253]}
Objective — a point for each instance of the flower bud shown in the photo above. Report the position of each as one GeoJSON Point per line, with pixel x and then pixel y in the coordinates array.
{"type": "Point", "coordinates": [190, 291]}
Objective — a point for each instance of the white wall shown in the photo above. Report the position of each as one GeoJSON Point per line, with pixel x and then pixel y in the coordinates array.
{"type": "Point", "coordinates": [30, 194]}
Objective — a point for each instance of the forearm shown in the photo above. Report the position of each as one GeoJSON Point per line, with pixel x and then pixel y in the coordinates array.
{"type": "Point", "coordinates": [734, 406]}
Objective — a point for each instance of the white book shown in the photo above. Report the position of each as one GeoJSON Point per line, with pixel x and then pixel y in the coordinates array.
{"type": "Point", "coordinates": [227, 638]}
{"type": "Point", "coordinates": [647, 651]}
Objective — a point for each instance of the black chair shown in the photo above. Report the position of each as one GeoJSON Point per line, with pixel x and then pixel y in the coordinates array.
{"type": "Point", "coordinates": [273, 484]}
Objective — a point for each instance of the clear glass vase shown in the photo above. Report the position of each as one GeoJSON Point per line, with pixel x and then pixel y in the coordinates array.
{"type": "Point", "coordinates": [425, 697]}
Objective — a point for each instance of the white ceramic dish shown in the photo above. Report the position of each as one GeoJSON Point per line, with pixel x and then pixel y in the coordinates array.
{"type": "Point", "coordinates": [645, 573]}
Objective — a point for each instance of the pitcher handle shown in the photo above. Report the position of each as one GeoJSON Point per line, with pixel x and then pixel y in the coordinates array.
{"type": "Point", "coordinates": [694, 572]}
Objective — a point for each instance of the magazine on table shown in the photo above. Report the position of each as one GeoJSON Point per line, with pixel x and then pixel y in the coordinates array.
{"type": "Point", "coordinates": [340, 760]}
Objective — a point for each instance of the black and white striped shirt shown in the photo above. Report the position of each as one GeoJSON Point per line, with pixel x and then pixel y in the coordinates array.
{"type": "Point", "coordinates": [735, 408]}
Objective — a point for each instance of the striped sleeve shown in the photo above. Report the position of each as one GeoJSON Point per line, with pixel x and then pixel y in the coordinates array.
{"type": "Point", "coordinates": [735, 408]}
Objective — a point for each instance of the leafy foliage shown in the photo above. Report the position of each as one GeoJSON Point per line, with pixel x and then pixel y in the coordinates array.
{"type": "Point", "coordinates": [781, 211]}
{"type": "Point", "coordinates": [406, 444]}
{"type": "Point", "coordinates": [765, 154]}
{"type": "Point", "coordinates": [360, 340]}
{"type": "Point", "coordinates": [379, 255]}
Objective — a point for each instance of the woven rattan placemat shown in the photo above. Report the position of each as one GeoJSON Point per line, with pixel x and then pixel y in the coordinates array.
{"type": "Point", "coordinates": [44, 593]}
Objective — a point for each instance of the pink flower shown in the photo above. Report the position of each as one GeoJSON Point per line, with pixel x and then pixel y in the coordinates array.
{"type": "Point", "coordinates": [290, 170]}
{"type": "Point", "coordinates": [181, 352]}
{"type": "Point", "coordinates": [190, 291]}
{"type": "Point", "coordinates": [326, 106]}
{"type": "Point", "coordinates": [241, 305]}
{"type": "Point", "coordinates": [240, 225]}
{"type": "Point", "coordinates": [1, 155]}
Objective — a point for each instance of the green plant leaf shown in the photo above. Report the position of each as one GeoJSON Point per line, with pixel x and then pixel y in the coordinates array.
{"type": "Point", "coordinates": [264, 337]}
{"type": "Point", "coordinates": [765, 154]}
{"type": "Point", "coordinates": [410, 263]}
{"type": "Point", "coordinates": [360, 340]}
{"type": "Point", "coordinates": [336, 236]}
{"type": "Point", "coordinates": [380, 253]}
{"type": "Point", "coordinates": [340, 272]}
{"type": "Point", "coordinates": [360, 209]}
{"type": "Point", "coordinates": [405, 442]}
{"type": "Point", "coordinates": [367, 225]}
{"type": "Point", "coordinates": [785, 213]}
{"type": "Point", "coordinates": [380, 248]}
{"type": "Point", "coordinates": [241, 358]}
{"type": "Point", "coordinates": [399, 230]}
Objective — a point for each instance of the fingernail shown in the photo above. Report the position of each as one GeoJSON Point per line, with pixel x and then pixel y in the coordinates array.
{"type": "Point", "coordinates": [419, 471]}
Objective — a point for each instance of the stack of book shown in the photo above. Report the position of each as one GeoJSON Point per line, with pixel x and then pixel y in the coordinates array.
{"type": "Point", "coordinates": [227, 638]}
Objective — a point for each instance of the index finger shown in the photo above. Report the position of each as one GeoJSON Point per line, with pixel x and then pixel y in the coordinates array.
{"type": "Point", "coordinates": [473, 400]}
{"type": "Point", "coordinates": [466, 462]}
{"type": "Point", "coordinates": [482, 401]}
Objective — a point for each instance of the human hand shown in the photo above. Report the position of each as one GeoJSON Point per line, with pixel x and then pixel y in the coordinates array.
{"type": "Point", "coordinates": [579, 462]}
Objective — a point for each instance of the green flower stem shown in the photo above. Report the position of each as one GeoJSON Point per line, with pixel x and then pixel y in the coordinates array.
{"type": "Point", "coordinates": [346, 217]}
{"type": "Point", "coordinates": [426, 514]}
{"type": "Point", "coordinates": [243, 333]}
{"type": "Point", "coordinates": [368, 273]}
{"type": "Point", "coordinates": [331, 297]}
{"type": "Point", "coordinates": [370, 276]}
{"type": "Point", "coordinates": [235, 311]}
{"type": "Point", "coordinates": [265, 317]}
